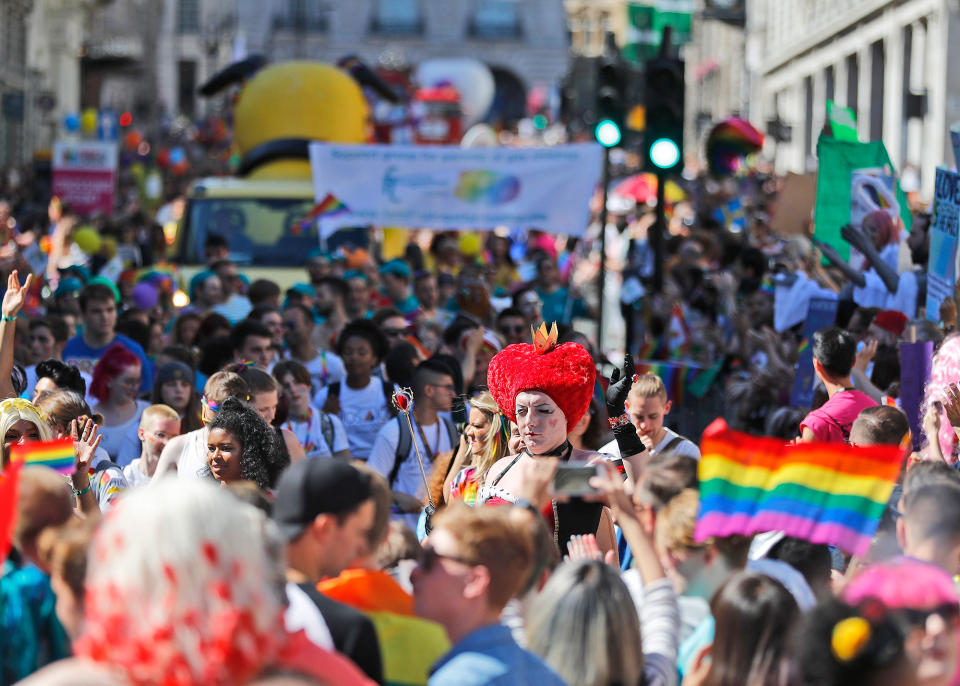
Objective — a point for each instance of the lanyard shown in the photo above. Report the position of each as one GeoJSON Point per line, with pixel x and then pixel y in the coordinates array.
{"type": "Point", "coordinates": [308, 445]}
{"type": "Point", "coordinates": [423, 437]}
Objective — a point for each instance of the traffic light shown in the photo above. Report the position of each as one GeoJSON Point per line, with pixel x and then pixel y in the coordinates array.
{"type": "Point", "coordinates": [663, 137]}
{"type": "Point", "coordinates": [611, 101]}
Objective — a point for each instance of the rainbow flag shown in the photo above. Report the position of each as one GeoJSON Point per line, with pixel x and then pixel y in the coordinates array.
{"type": "Point", "coordinates": [58, 454]}
{"type": "Point", "coordinates": [820, 492]}
{"type": "Point", "coordinates": [9, 482]}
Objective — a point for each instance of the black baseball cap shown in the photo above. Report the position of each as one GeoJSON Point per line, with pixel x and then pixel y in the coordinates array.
{"type": "Point", "coordinates": [316, 486]}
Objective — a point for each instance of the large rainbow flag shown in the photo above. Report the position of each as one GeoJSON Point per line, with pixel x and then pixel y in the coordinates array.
{"type": "Point", "coordinates": [58, 454]}
{"type": "Point", "coordinates": [821, 492]}
{"type": "Point", "coordinates": [9, 482]}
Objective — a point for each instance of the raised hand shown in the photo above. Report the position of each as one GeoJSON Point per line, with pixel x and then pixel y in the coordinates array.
{"type": "Point", "coordinates": [16, 295]}
{"type": "Point", "coordinates": [86, 439]}
{"type": "Point", "coordinates": [619, 388]}
{"type": "Point", "coordinates": [951, 403]}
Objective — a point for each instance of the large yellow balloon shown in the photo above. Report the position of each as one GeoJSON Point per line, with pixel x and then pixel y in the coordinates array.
{"type": "Point", "coordinates": [299, 99]}
{"type": "Point", "coordinates": [88, 120]}
{"type": "Point", "coordinates": [87, 239]}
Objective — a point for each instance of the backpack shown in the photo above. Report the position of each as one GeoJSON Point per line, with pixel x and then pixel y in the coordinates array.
{"type": "Point", "coordinates": [405, 442]}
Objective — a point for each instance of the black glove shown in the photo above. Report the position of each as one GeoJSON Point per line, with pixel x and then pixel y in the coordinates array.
{"type": "Point", "coordinates": [628, 441]}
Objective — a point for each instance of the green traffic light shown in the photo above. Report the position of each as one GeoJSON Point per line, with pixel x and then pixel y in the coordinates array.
{"type": "Point", "coordinates": [664, 153]}
{"type": "Point", "coordinates": [539, 122]}
{"type": "Point", "coordinates": [607, 133]}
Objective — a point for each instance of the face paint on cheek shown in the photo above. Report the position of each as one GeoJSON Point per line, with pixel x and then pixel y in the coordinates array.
{"type": "Point", "coordinates": [553, 422]}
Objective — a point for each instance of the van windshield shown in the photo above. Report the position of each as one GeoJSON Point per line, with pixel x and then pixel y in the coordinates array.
{"type": "Point", "coordinates": [271, 232]}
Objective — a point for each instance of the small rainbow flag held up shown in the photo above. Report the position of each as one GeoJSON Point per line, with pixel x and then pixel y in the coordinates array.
{"type": "Point", "coordinates": [59, 455]}
{"type": "Point", "coordinates": [327, 207]}
{"type": "Point", "coordinates": [820, 492]}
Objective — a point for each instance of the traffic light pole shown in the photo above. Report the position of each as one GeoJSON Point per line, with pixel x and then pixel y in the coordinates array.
{"type": "Point", "coordinates": [657, 232]}
{"type": "Point", "coordinates": [603, 248]}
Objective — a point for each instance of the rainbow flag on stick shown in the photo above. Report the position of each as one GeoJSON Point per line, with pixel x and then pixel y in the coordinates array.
{"type": "Point", "coordinates": [821, 492]}
{"type": "Point", "coordinates": [58, 454]}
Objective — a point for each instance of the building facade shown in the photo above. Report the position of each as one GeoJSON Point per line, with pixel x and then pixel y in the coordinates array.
{"type": "Point", "coordinates": [889, 60]}
{"type": "Point", "coordinates": [15, 89]}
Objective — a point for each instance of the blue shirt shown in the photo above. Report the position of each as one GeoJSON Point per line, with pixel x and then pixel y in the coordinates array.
{"type": "Point", "coordinates": [82, 356]}
{"type": "Point", "coordinates": [490, 657]}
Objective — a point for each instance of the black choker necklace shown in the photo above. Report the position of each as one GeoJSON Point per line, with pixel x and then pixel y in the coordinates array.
{"type": "Point", "coordinates": [563, 451]}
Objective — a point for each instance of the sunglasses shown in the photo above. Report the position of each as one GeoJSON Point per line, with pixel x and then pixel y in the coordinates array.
{"type": "Point", "coordinates": [394, 333]}
{"type": "Point", "coordinates": [428, 558]}
{"type": "Point", "coordinates": [917, 619]}
{"type": "Point", "coordinates": [512, 329]}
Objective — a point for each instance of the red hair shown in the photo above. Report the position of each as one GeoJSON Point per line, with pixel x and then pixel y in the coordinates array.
{"type": "Point", "coordinates": [114, 362]}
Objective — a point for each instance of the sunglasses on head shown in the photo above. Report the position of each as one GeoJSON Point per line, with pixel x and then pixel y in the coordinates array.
{"type": "Point", "coordinates": [428, 558]}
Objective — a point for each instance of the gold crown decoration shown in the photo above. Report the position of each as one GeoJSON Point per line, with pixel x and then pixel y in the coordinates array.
{"type": "Point", "coordinates": [544, 341]}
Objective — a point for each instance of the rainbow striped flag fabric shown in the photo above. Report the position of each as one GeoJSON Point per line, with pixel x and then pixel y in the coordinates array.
{"type": "Point", "coordinates": [58, 454]}
{"type": "Point", "coordinates": [821, 492]}
{"type": "Point", "coordinates": [9, 483]}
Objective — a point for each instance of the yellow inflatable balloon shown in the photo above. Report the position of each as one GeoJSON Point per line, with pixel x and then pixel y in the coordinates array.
{"type": "Point", "coordinates": [87, 239]}
{"type": "Point", "coordinates": [299, 99]}
{"type": "Point", "coordinates": [88, 120]}
{"type": "Point", "coordinates": [470, 244]}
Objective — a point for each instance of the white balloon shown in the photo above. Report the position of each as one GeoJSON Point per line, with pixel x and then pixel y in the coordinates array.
{"type": "Point", "coordinates": [472, 79]}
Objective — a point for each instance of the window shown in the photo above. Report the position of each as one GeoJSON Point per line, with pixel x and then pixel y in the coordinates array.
{"type": "Point", "coordinates": [497, 19]}
{"type": "Point", "coordinates": [188, 16]}
{"type": "Point", "coordinates": [187, 72]}
{"type": "Point", "coordinates": [853, 81]}
{"type": "Point", "coordinates": [877, 69]}
{"type": "Point", "coordinates": [301, 15]}
{"type": "Point", "coordinates": [829, 82]}
{"type": "Point", "coordinates": [398, 18]}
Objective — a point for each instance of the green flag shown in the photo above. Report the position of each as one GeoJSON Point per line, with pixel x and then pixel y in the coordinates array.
{"type": "Point", "coordinates": [645, 24]}
{"type": "Point", "coordinates": [837, 160]}
{"type": "Point", "coordinates": [843, 122]}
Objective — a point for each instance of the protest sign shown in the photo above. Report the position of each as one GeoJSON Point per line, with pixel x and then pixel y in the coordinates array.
{"type": "Point", "coordinates": [942, 265]}
{"type": "Point", "coordinates": [794, 204]}
{"type": "Point", "coordinates": [822, 313]}
{"type": "Point", "coordinates": [837, 161]}
{"type": "Point", "coordinates": [955, 142]}
{"type": "Point", "coordinates": [916, 361]}
{"type": "Point", "coordinates": [447, 187]}
{"type": "Point", "coordinates": [85, 175]}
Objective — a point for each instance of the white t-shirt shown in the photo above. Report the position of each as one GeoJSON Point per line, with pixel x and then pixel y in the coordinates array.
{"type": "Point", "coordinates": [684, 447]}
{"type": "Point", "coordinates": [409, 478]}
{"type": "Point", "coordinates": [362, 412]}
{"type": "Point", "coordinates": [192, 463]}
{"type": "Point", "coordinates": [303, 613]}
{"type": "Point", "coordinates": [134, 475]}
{"type": "Point", "coordinates": [325, 369]}
{"type": "Point", "coordinates": [121, 441]}
{"type": "Point", "coordinates": [310, 434]}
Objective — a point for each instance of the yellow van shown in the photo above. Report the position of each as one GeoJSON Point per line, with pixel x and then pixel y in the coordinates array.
{"type": "Point", "coordinates": [264, 223]}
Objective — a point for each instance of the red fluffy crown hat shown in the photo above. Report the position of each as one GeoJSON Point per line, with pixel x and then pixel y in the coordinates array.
{"type": "Point", "coordinates": [564, 372]}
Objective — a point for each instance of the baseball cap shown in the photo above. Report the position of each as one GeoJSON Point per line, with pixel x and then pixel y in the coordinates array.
{"type": "Point", "coordinates": [174, 370]}
{"type": "Point", "coordinates": [396, 267]}
{"type": "Point", "coordinates": [316, 486]}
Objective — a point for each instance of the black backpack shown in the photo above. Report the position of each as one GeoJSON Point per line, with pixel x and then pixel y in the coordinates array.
{"type": "Point", "coordinates": [405, 442]}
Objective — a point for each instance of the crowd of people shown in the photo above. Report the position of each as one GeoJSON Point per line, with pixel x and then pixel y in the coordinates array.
{"type": "Point", "coordinates": [255, 498]}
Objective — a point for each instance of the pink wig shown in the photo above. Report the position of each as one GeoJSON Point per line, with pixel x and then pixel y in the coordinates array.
{"type": "Point", "coordinates": [944, 371]}
{"type": "Point", "coordinates": [902, 583]}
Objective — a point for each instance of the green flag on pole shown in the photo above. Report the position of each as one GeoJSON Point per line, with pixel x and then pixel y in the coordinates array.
{"type": "Point", "coordinates": [837, 159]}
{"type": "Point", "coordinates": [645, 24]}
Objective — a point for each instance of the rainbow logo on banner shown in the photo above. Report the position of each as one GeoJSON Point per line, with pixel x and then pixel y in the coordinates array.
{"type": "Point", "coordinates": [58, 455]}
{"type": "Point", "coordinates": [821, 492]}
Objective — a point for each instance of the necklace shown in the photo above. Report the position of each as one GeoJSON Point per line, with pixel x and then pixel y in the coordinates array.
{"type": "Point", "coordinates": [562, 451]}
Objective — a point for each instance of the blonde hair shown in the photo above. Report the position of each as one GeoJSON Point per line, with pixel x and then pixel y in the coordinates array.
{"type": "Point", "coordinates": [158, 411]}
{"type": "Point", "coordinates": [497, 437]}
{"type": "Point", "coordinates": [491, 537]}
{"type": "Point", "coordinates": [13, 410]}
{"type": "Point", "coordinates": [649, 386]}
{"type": "Point", "coordinates": [676, 521]}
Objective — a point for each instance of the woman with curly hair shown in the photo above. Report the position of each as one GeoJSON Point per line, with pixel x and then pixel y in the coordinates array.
{"type": "Point", "coordinates": [241, 446]}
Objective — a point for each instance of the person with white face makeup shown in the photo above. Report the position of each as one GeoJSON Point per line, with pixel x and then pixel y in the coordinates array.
{"type": "Point", "coordinates": [545, 389]}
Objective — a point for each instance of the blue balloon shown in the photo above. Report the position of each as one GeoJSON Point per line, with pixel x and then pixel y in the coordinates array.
{"type": "Point", "coordinates": [177, 155]}
{"type": "Point", "coordinates": [71, 122]}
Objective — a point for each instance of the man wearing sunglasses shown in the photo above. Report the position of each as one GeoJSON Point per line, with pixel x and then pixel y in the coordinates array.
{"type": "Point", "coordinates": [474, 562]}
{"type": "Point", "coordinates": [513, 326]}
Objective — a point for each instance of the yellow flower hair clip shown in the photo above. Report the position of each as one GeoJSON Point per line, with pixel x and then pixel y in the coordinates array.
{"type": "Point", "coordinates": [21, 405]}
{"type": "Point", "coordinates": [850, 636]}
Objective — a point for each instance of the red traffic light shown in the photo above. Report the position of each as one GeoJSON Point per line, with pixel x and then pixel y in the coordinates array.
{"type": "Point", "coordinates": [126, 119]}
